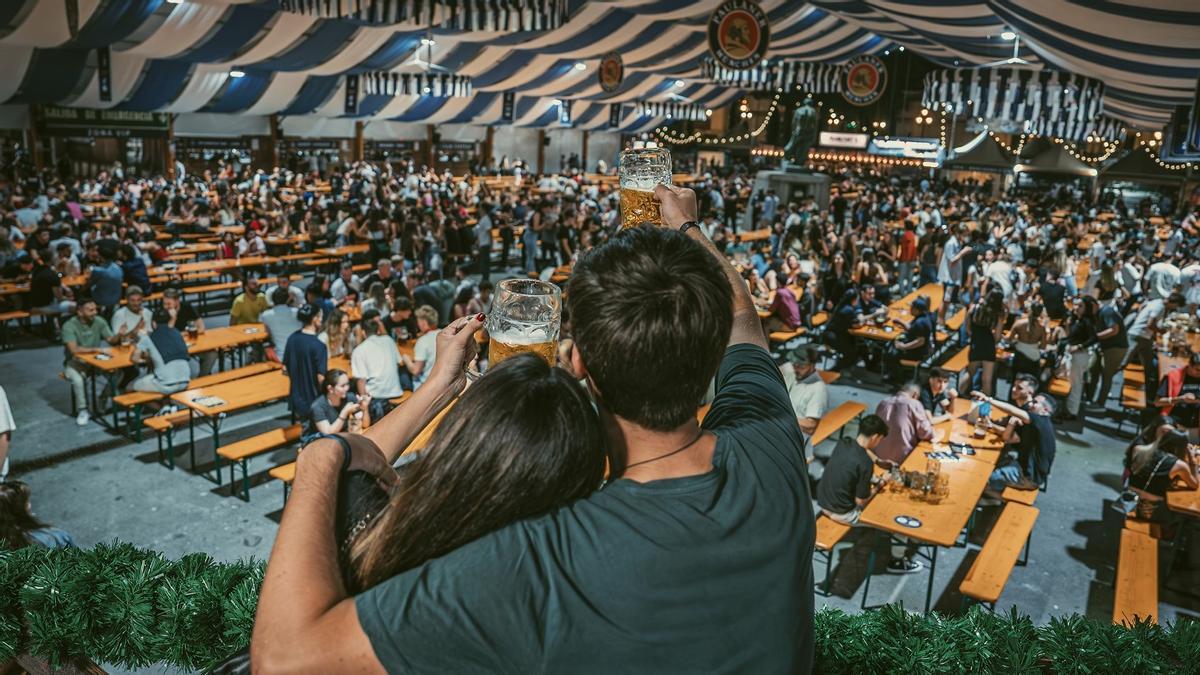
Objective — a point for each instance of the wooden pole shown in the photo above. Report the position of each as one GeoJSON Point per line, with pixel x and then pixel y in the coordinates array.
{"type": "Point", "coordinates": [541, 155]}
{"type": "Point", "coordinates": [169, 154]}
{"type": "Point", "coordinates": [429, 145]}
{"type": "Point", "coordinates": [583, 155]}
{"type": "Point", "coordinates": [34, 145]}
{"type": "Point", "coordinates": [358, 140]}
{"type": "Point", "coordinates": [488, 146]}
{"type": "Point", "coordinates": [273, 143]}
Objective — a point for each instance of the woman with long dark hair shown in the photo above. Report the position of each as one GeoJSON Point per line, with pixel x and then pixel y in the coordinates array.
{"type": "Point", "coordinates": [18, 527]}
{"type": "Point", "coordinates": [1080, 336]}
{"type": "Point", "coordinates": [984, 326]}
{"type": "Point", "coordinates": [520, 442]}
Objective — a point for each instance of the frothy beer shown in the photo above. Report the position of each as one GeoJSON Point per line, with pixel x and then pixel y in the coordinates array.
{"type": "Point", "coordinates": [508, 345]}
{"type": "Point", "coordinates": [637, 207]}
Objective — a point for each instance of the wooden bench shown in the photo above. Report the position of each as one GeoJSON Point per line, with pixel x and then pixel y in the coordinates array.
{"type": "Point", "coordinates": [241, 451]}
{"type": "Point", "coordinates": [829, 534]}
{"type": "Point", "coordinates": [133, 401]}
{"type": "Point", "coordinates": [1025, 497]}
{"type": "Point", "coordinates": [5, 317]}
{"type": "Point", "coordinates": [785, 336]}
{"type": "Point", "coordinates": [1060, 387]}
{"type": "Point", "coordinates": [164, 426]}
{"type": "Point", "coordinates": [1135, 594]}
{"type": "Point", "coordinates": [284, 473]}
{"type": "Point", "coordinates": [836, 420]}
{"type": "Point", "coordinates": [989, 572]}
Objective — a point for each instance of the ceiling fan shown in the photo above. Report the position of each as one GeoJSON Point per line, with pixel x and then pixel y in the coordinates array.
{"type": "Point", "coordinates": [1015, 59]}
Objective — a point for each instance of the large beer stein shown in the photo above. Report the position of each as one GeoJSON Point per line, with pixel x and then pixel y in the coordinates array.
{"type": "Point", "coordinates": [526, 315]}
{"type": "Point", "coordinates": [642, 168]}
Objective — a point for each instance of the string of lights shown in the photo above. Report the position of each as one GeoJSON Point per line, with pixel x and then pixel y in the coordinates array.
{"type": "Point", "coordinates": [666, 135]}
{"type": "Point", "coordinates": [1109, 148]}
{"type": "Point", "coordinates": [859, 157]}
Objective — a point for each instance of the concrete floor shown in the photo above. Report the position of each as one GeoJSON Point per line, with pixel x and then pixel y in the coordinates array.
{"type": "Point", "coordinates": [101, 487]}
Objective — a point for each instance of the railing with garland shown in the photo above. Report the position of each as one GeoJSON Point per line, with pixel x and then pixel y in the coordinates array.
{"type": "Point", "coordinates": [128, 607]}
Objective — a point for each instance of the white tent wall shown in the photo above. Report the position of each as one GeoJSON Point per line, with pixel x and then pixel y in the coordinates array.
{"type": "Point", "coordinates": [563, 142]}
{"type": "Point", "coordinates": [517, 143]}
{"type": "Point", "coordinates": [603, 145]}
{"type": "Point", "coordinates": [313, 126]}
{"type": "Point", "coordinates": [222, 126]}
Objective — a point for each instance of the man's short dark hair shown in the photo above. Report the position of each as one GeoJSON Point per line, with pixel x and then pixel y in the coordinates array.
{"type": "Point", "coordinates": [872, 425]}
{"type": "Point", "coordinates": [306, 313]}
{"type": "Point", "coordinates": [1027, 378]}
{"type": "Point", "coordinates": [279, 296]}
{"type": "Point", "coordinates": [161, 316]}
{"type": "Point", "coordinates": [1176, 299]}
{"type": "Point", "coordinates": [651, 307]}
{"type": "Point", "coordinates": [402, 303]}
{"type": "Point", "coordinates": [939, 374]}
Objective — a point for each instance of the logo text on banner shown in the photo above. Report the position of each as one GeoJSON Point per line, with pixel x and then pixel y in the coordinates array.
{"type": "Point", "coordinates": [837, 139]}
{"type": "Point", "coordinates": [738, 34]}
{"type": "Point", "coordinates": [866, 77]}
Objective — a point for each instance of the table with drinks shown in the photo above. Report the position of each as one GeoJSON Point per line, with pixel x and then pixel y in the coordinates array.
{"type": "Point", "coordinates": [931, 496]}
{"type": "Point", "coordinates": [114, 359]}
{"type": "Point", "coordinates": [885, 329]}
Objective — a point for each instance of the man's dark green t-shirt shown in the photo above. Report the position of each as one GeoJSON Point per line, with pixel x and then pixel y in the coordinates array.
{"type": "Point", "coordinates": [708, 573]}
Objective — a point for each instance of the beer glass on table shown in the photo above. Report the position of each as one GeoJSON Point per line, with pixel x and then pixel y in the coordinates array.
{"type": "Point", "coordinates": [526, 315]}
{"type": "Point", "coordinates": [642, 168]}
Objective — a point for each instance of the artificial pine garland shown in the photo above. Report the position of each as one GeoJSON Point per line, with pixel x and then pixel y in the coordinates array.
{"type": "Point", "coordinates": [130, 607]}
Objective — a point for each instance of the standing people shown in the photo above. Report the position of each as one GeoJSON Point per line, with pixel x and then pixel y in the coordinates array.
{"type": "Point", "coordinates": [305, 360]}
{"type": "Point", "coordinates": [985, 325]}
{"type": "Point", "coordinates": [1113, 344]}
{"type": "Point", "coordinates": [906, 421]}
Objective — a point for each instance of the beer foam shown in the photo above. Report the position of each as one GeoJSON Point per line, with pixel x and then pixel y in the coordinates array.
{"type": "Point", "coordinates": [518, 338]}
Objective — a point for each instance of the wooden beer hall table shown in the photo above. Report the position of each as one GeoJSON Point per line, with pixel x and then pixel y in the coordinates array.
{"type": "Point", "coordinates": [900, 309]}
{"type": "Point", "coordinates": [938, 524]}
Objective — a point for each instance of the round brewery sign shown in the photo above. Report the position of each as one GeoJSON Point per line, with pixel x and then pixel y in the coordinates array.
{"type": "Point", "coordinates": [611, 72]}
{"type": "Point", "coordinates": [738, 34]}
{"type": "Point", "coordinates": [866, 77]}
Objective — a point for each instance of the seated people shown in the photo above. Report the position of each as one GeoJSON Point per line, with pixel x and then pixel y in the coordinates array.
{"type": "Point", "coordinates": [339, 336]}
{"type": "Point", "coordinates": [1156, 467]}
{"type": "Point", "coordinates": [46, 295]}
{"type": "Point", "coordinates": [1028, 435]}
{"type": "Point", "coordinates": [376, 364]}
{"type": "Point", "coordinates": [916, 342]}
{"type": "Point", "coordinates": [808, 392]}
{"type": "Point", "coordinates": [907, 423]}
{"type": "Point", "coordinates": [937, 396]}
{"type": "Point", "coordinates": [281, 322]}
{"type": "Point", "coordinates": [846, 316]}
{"type": "Point", "coordinates": [346, 281]}
{"type": "Point", "coordinates": [19, 527]}
{"type": "Point", "coordinates": [849, 482]}
{"type": "Point", "coordinates": [249, 304]}
{"type": "Point", "coordinates": [1179, 396]}
{"type": "Point", "coordinates": [132, 319]}
{"type": "Point", "coordinates": [332, 412]}
{"type": "Point", "coordinates": [425, 351]}
{"type": "Point", "coordinates": [84, 333]}
{"type": "Point", "coordinates": [165, 355]}
{"type": "Point", "coordinates": [295, 296]}
{"type": "Point", "coordinates": [785, 311]}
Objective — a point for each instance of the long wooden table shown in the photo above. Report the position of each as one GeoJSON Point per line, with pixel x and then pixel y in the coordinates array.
{"type": "Point", "coordinates": [118, 357]}
{"type": "Point", "coordinates": [941, 522]}
{"type": "Point", "coordinates": [219, 266]}
{"type": "Point", "coordinates": [889, 330]}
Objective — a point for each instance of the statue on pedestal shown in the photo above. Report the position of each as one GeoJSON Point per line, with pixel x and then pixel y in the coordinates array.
{"type": "Point", "coordinates": [804, 136]}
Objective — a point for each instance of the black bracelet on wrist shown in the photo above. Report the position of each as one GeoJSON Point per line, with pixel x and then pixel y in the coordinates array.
{"type": "Point", "coordinates": [345, 448]}
{"type": "Point", "coordinates": [687, 226]}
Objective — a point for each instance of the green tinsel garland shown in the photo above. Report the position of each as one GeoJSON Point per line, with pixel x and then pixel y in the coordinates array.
{"type": "Point", "coordinates": [129, 607]}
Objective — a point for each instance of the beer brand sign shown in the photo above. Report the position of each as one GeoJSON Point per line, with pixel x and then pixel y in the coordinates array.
{"type": "Point", "coordinates": [865, 78]}
{"type": "Point", "coordinates": [738, 34]}
{"type": "Point", "coordinates": [611, 72]}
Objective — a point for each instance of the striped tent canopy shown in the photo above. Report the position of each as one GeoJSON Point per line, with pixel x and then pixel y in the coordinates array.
{"type": "Point", "coordinates": [178, 57]}
{"type": "Point", "coordinates": [817, 78]}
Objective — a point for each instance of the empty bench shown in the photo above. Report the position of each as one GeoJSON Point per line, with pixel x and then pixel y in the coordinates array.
{"type": "Point", "coordinates": [1135, 595]}
{"type": "Point", "coordinates": [241, 451]}
{"type": "Point", "coordinates": [133, 402]}
{"type": "Point", "coordinates": [829, 534]}
{"type": "Point", "coordinates": [989, 572]}
{"type": "Point", "coordinates": [836, 420]}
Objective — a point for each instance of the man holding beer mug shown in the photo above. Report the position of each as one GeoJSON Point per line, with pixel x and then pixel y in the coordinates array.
{"type": "Point", "coordinates": [694, 557]}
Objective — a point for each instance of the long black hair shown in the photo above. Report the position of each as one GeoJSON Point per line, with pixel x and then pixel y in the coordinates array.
{"type": "Point", "coordinates": [16, 522]}
{"type": "Point", "coordinates": [521, 441]}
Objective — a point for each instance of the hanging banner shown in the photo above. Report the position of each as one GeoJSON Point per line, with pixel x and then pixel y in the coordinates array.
{"type": "Point", "coordinates": [439, 85]}
{"type": "Point", "coordinates": [738, 34]}
{"type": "Point", "coordinates": [814, 78]}
{"type": "Point", "coordinates": [508, 107]}
{"type": "Point", "coordinates": [459, 15]}
{"type": "Point", "coordinates": [351, 105]}
{"type": "Point", "coordinates": [865, 79]}
{"type": "Point", "coordinates": [77, 122]}
{"type": "Point", "coordinates": [564, 113]}
{"type": "Point", "coordinates": [614, 115]}
{"type": "Point", "coordinates": [104, 73]}
{"type": "Point", "coordinates": [611, 72]}
{"type": "Point", "coordinates": [673, 111]}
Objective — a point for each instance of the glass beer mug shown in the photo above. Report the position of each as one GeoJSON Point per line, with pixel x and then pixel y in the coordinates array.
{"type": "Point", "coordinates": [526, 316]}
{"type": "Point", "coordinates": [642, 168]}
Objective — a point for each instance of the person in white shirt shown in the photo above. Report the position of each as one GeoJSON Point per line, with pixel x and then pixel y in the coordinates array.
{"type": "Point", "coordinates": [808, 392]}
{"type": "Point", "coordinates": [280, 321]}
{"type": "Point", "coordinates": [295, 297]}
{"type": "Point", "coordinates": [346, 281]}
{"type": "Point", "coordinates": [425, 351]}
{"type": "Point", "coordinates": [376, 361]}
{"type": "Point", "coordinates": [133, 318]}
{"type": "Point", "coordinates": [7, 426]}
{"type": "Point", "coordinates": [251, 245]}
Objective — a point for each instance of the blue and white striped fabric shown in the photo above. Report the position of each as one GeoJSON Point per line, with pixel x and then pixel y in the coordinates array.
{"type": "Point", "coordinates": [177, 57]}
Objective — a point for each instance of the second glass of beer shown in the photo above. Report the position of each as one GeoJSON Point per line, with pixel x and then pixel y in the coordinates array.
{"type": "Point", "coordinates": [526, 315]}
{"type": "Point", "coordinates": [642, 168]}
